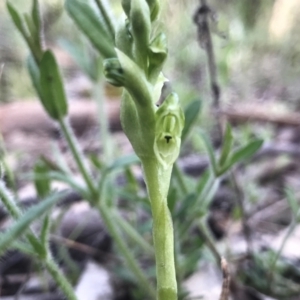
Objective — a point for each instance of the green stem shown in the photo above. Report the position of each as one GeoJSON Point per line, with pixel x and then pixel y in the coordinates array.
{"type": "Point", "coordinates": [60, 279]}
{"type": "Point", "coordinates": [77, 154]}
{"type": "Point", "coordinates": [9, 202]}
{"type": "Point", "coordinates": [129, 259]}
{"type": "Point", "coordinates": [158, 181]}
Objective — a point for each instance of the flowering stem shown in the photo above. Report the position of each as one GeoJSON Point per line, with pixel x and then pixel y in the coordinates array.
{"type": "Point", "coordinates": [158, 181]}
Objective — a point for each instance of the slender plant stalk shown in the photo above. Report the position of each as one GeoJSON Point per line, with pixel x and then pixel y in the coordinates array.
{"type": "Point", "coordinates": [163, 234]}
{"type": "Point", "coordinates": [201, 18]}
{"type": "Point", "coordinates": [9, 202]}
{"type": "Point", "coordinates": [60, 279]}
{"type": "Point", "coordinates": [77, 154]}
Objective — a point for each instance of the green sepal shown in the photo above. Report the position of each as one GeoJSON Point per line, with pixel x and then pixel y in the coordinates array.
{"type": "Point", "coordinates": [90, 24]}
{"type": "Point", "coordinates": [157, 55]}
{"type": "Point", "coordinates": [140, 28]}
{"type": "Point", "coordinates": [114, 72]}
{"type": "Point", "coordinates": [168, 129]}
{"type": "Point", "coordinates": [135, 81]}
{"type": "Point", "coordinates": [124, 39]}
{"type": "Point", "coordinates": [52, 88]}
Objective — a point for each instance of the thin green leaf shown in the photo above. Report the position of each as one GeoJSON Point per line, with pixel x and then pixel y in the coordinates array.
{"type": "Point", "coordinates": [45, 231]}
{"type": "Point", "coordinates": [34, 73]}
{"type": "Point", "coordinates": [70, 181]}
{"type": "Point", "coordinates": [242, 154]}
{"type": "Point", "coordinates": [21, 225]}
{"type": "Point", "coordinates": [227, 144]}
{"type": "Point", "coordinates": [30, 25]}
{"type": "Point", "coordinates": [41, 182]}
{"type": "Point", "coordinates": [90, 24]}
{"type": "Point", "coordinates": [35, 14]}
{"type": "Point", "coordinates": [210, 152]}
{"type": "Point", "coordinates": [293, 203]}
{"type": "Point", "coordinates": [124, 161]}
{"type": "Point", "coordinates": [16, 19]}
{"type": "Point", "coordinates": [52, 88]}
{"type": "Point", "coordinates": [96, 161]}
{"type": "Point", "coordinates": [187, 203]}
{"type": "Point", "coordinates": [23, 247]}
{"type": "Point", "coordinates": [191, 113]}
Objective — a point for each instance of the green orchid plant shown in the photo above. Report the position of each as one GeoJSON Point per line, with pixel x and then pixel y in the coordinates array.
{"type": "Point", "coordinates": [154, 132]}
{"type": "Point", "coordinates": [134, 56]}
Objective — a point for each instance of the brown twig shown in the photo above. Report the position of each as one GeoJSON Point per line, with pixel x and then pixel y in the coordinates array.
{"type": "Point", "coordinates": [242, 113]}
{"type": "Point", "coordinates": [226, 280]}
{"type": "Point", "coordinates": [201, 19]}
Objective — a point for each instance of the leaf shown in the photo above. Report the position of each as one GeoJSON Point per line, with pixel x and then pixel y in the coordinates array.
{"type": "Point", "coordinates": [52, 89]}
{"type": "Point", "coordinates": [186, 204]}
{"type": "Point", "coordinates": [210, 152]}
{"type": "Point", "coordinates": [90, 24]}
{"type": "Point", "coordinates": [124, 162]}
{"type": "Point", "coordinates": [41, 182]}
{"type": "Point", "coordinates": [227, 144]}
{"type": "Point", "coordinates": [290, 195]}
{"type": "Point", "coordinates": [242, 154]}
{"type": "Point", "coordinates": [34, 73]}
{"type": "Point", "coordinates": [16, 19]}
{"type": "Point", "coordinates": [45, 231]}
{"type": "Point", "coordinates": [191, 114]}
{"type": "Point", "coordinates": [21, 225]}
{"type": "Point", "coordinates": [125, 72]}
{"type": "Point", "coordinates": [35, 14]}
